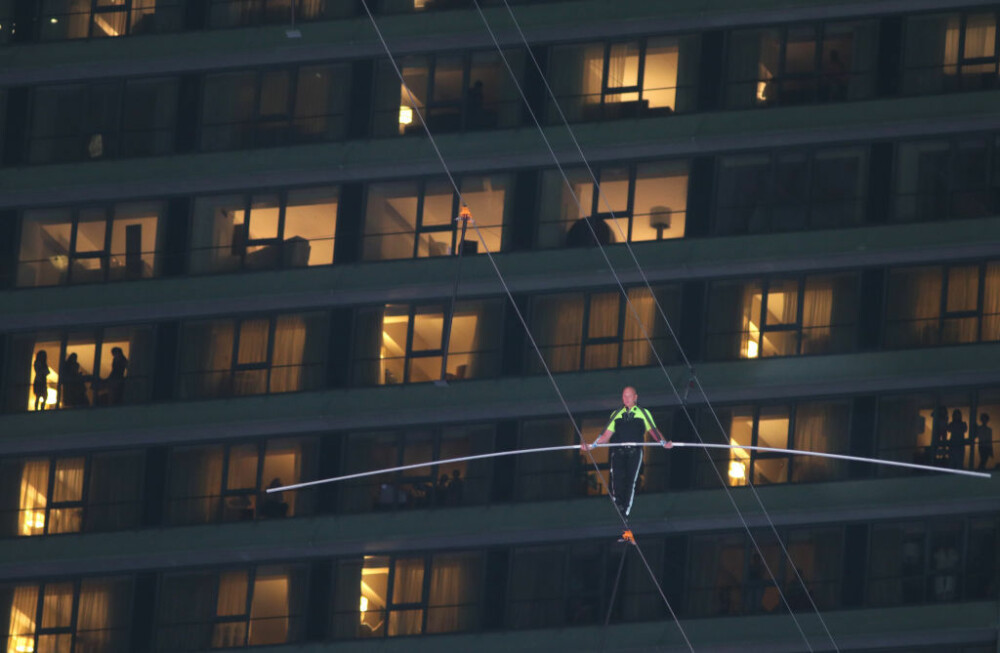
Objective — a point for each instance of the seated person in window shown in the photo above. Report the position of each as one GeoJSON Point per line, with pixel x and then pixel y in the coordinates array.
{"type": "Point", "coordinates": [73, 382]}
{"type": "Point", "coordinates": [579, 235]}
{"type": "Point", "coordinates": [272, 504]}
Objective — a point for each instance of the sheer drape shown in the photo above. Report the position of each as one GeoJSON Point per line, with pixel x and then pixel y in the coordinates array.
{"type": "Point", "coordinates": [546, 476]}
{"type": "Point", "coordinates": [709, 581]}
{"type": "Point", "coordinates": [21, 633]}
{"type": "Point", "coordinates": [635, 349]}
{"type": "Point", "coordinates": [991, 304]}
{"type": "Point", "coordinates": [558, 326]}
{"type": "Point", "coordinates": [913, 307]}
{"type": "Point", "coordinates": [231, 601]}
{"type": "Point", "coordinates": [346, 600]}
{"type": "Point", "coordinates": [963, 296]}
{"type": "Point", "coordinates": [195, 485]}
{"type": "Point", "coordinates": [94, 622]}
{"type": "Point", "coordinates": [67, 488]}
{"type": "Point", "coordinates": [602, 323]}
{"type": "Point", "coordinates": [536, 589]}
{"type": "Point", "coordinates": [820, 427]}
{"type": "Point", "coordinates": [206, 359]}
{"type": "Point", "coordinates": [885, 567]}
{"type": "Point", "coordinates": [34, 493]}
{"type": "Point", "coordinates": [185, 612]}
{"type": "Point", "coordinates": [216, 227]}
{"type": "Point", "coordinates": [115, 482]}
{"type": "Point", "coordinates": [367, 348]}
{"type": "Point", "coordinates": [817, 314]}
{"type": "Point", "coordinates": [408, 586]}
{"type": "Point", "coordinates": [454, 592]}
{"type": "Point", "coordinates": [484, 359]}
{"type": "Point", "coordinates": [287, 359]}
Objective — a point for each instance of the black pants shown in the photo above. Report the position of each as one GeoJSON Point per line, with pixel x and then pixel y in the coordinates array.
{"type": "Point", "coordinates": [625, 465]}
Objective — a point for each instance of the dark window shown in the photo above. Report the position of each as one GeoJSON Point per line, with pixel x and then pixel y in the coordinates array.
{"type": "Point", "coordinates": [790, 191]}
{"type": "Point", "coordinates": [107, 243]}
{"type": "Point", "coordinates": [953, 304]}
{"type": "Point", "coordinates": [71, 616]}
{"type": "Point", "coordinates": [103, 120]}
{"type": "Point", "coordinates": [634, 203]}
{"type": "Point", "coordinates": [253, 355]}
{"type": "Point", "coordinates": [283, 106]}
{"type": "Point", "coordinates": [606, 81]}
{"type": "Point", "coordinates": [417, 219]}
{"type": "Point", "coordinates": [801, 64]}
{"type": "Point", "coordinates": [937, 562]}
{"type": "Point", "coordinates": [727, 576]}
{"type": "Point", "coordinates": [950, 52]}
{"type": "Point", "coordinates": [782, 317]}
{"type": "Point", "coordinates": [239, 13]}
{"type": "Point", "coordinates": [392, 596]}
{"type": "Point", "coordinates": [453, 92]}
{"type": "Point", "coordinates": [457, 484]}
{"type": "Point", "coordinates": [264, 231]}
{"type": "Point", "coordinates": [229, 482]}
{"type": "Point", "coordinates": [586, 331]}
{"type": "Point", "coordinates": [950, 430]}
{"type": "Point", "coordinates": [97, 367]}
{"type": "Point", "coordinates": [70, 494]}
{"type": "Point", "coordinates": [80, 19]}
{"type": "Point", "coordinates": [402, 343]}
{"type": "Point", "coordinates": [233, 608]}
{"type": "Point", "coordinates": [809, 426]}
{"type": "Point", "coordinates": [937, 179]}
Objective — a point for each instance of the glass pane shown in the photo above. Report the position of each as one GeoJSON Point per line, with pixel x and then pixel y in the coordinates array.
{"type": "Point", "coordinates": [659, 83]}
{"type": "Point", "coordinates": [740, 433]}
{"type": "Point", "coordinates": [800, 51]}
{"type": "Point", "coordinates": [963, 289]}
{"type": "Point", "coordinates": [76, 370]}
{"type": "Point", "coordinates": [253, 341]}
{"type": "Point", "coordinates": [232, 600]}
{"type": "Point", "coordinates": [623, 70]}
{"type": "Point", "coordinates": [282, 466]}
{"type": "Point", "coordinates": [374, 595]}
{"type": "Point", "coordinates": [242, 467]}
{"type": "Point", "coordinates": [133, 241]}
{"type": "Point", "coordinates": [57, 605]}
{"type": "Point", "coordinates": [68, 483]}
{"type": "Point", "coordinates": [310, 227]}
{"type": "Point", "coordinates": [428, 328]}
{"type": "Point", "coordinates": [44, 378]}
{"type": "Point", "coordinates": [33, 498]}
{"type": "Point", "coordinates": [486, 198]}
{"type": "Point", "coordinates": [660, 203]}
{"type": "Point", "coordinates": [269, 612]}
{"type": "Point", "coordinates": [44, 252]}
{"type": "Point", "coordinates": [438, 204]}
{"type": "Point", "coordinates": [603, 319]}
{"type": "Point", "coordinates": [408, 581]}
{"type": "Point", "coordinates": [390, 221]}
{"type": "Point", "coordinates": [770, 470]}
{"type": "Point", "coordinates": [782, 303]}
{"type": "Point", "coordinates": [772, 427]}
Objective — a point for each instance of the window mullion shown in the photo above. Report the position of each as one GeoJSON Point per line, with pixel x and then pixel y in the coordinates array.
{"type": "Point", "coordinates": [800, 311]}
{"type": "Point", "coordinates": [418, 223]}
{"type": "Point", "coordinates": [272, 328]}
{"type": "Point", "coordinates": [641, 73]}
{"type": "Point", "coordinates": [251, 579]}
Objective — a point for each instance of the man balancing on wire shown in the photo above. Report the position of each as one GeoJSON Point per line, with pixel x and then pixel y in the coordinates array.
{"type": "Point", "coordinates": [628, 424]}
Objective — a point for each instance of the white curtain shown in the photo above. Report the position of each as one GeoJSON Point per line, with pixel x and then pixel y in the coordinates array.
{"type": "Point", "coordinates": [195, 486]}
{"type": "Point", "coordinates": [963, 295]}
{"type": "Point", "coordinates": [287, 358]}
{"type": "Point", "coordinates": [558, 327]}
{"type": "Point", "coordinates": [68, 487]}
{"type": "Point", "coordinates": [817, 315]}
{"type": "Point", "coordinates": [635, 349]}
{"type": "Point", "coordinates": [820, 427]}
{"type": "Point", "coordinates": [21, 633]}
{"type": "Point", "coordinates": [34, 490]}
{"type": "Point", "coordinates": [991, 304]}
{"type": "Point", "coordinates": [231, 602]}
{"type": "Point", "coordinates": [408, 586]}
{"type": "Point", "coordinates": [94, 620]}
{"type": "Point", "coordinates": [452, 594]}
{"type": "Point", "coordinates": [602, 323]}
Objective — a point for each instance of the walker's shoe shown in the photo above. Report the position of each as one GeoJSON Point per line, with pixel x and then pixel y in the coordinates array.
{"type": "Point", "coordinates": [627, 537]}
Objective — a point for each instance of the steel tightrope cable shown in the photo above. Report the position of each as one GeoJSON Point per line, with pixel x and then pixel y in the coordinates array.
{"type": "Point", "coordinates": [520, 316]}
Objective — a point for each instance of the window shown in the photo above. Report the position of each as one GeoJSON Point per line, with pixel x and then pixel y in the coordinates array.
{"type": "Point", "coordinates": [458, 484]}
{"type": "Point", "coordinates": [418, 219]}
{"type": "Point", "coordinates": [103, 120]}
{"type": "Point", "coordinates": [950, 430]}
{"type": "Point", "coordinates": [557, 475]}
{"type": "Point", "coordinates": [95, 367]}
{"type": "Point", "coordinates": [232, 608]}
{"type": "Point", "coordinates": [727, 576]}
{"type": "Point", "coordinates": [937, 562]}
{"type": "Point", "coordinates": [649, 202]}
{"type": "Point", "coordinates": [389, 596]}
{"type": "Point", "coordinates": [253, 355]}
{"type": "Point", "coordinates": [282, 106]}
{"type": "Point", "coordinates": [453, 92]}
{"type": "Point", "coordinates": [790, 191]}
{"type": "Point", "coordinates": [97, 244]}
{"type": "Point", "coordinates": [239, 13]}
{"type": "Point", "coordinates": [809, 426]}
{"type": "Point", "coordinates": [287, 229]}
{"type": "Point", "coordinates": [950, 52]}
{"type": "Point", "coordinates": [402, 343]}
{"type": "Point", "coordinates": [943, 305]}
{"type": "Point", "coordinates": [801, 64]}
{"type": "Point", "coordinates": [229, 482]}
{"type": "Point", "coordinates": [608, 81]}
{"type": "Point", "coordinates": [587, 331]}
{"type": "Point", "coordinates": [70, 494]}
{"type": "Point", "coordinates": [938, 179]}
{"type": "Point", "coordinates": [570, 585]}
{"type": "Point", "coordinates": [781, 317]}
{"type": "Point", "coordinates": [80, 19]}
{"type": "Point", "coordinates": [70, 616]}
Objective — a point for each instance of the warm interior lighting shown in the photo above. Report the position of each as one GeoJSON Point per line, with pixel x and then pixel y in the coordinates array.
{"type": "Point", "coordinates": [53, 20]}
{"type": "Point", "coordinates": [107, 27]}
{"type": "Point", "coordinates": [405, 115]}
{"type": "Point", "coordinates": [363, 605]}
{"type": "Point", "coordinates": [737, 470]}
{"type": "Point", "coordinates": [752, 350]}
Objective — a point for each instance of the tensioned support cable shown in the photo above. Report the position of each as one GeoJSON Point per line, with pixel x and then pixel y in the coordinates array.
{"type": "Point", "coordinates": [523, 322]}
{"type": "Point", "coordinates": [609, 445]}
{"type": "Point", "coordinates": [639, 321]}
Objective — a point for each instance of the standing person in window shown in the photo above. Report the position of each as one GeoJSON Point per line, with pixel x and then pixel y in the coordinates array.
{"type": "Point", "coordinates": [985, 436]}
{"type": "Point", "coordinates": [41, 384]}
{"type": "Point", "coordinates": [116, 380]}
{"type": "Point", "coordinates": [957, 429]}
{"type": "Point", "coordinates": [628, 425]}
{"type": "Point", "coordinates": [72, 379]}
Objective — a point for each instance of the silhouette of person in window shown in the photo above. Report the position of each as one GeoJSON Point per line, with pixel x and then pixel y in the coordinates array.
{"type": "Point", "coordinates": [272, 504]}
{"type": "Point", "coordinates": [455, 488]}
{"type": "Point", "coordinates": [579, 234]}
{"type": "Point", "coordinates": [441, 491]}
{"type": "Point", "coordinates": [939, 434]}
{"type": "Point", "coordinates": [40, 385]}
{"type": "Point", "coordinates": [73, 382]}
{"type": "Point", "coordinates": [985, 436]}
{"type": "Point", "coordinates": [956, 439]}
{"type": "Point", "coordinates": [115, 383]}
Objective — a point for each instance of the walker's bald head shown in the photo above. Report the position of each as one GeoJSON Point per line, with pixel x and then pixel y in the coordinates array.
{"type": "Point", "coordinates": [629, 396]}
